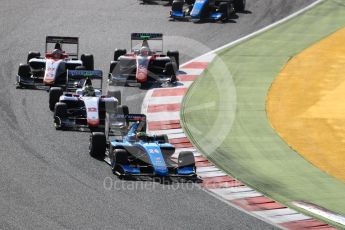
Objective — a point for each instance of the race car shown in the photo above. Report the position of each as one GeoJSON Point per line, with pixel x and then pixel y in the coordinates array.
{"type": "Point", "coordinates": [86, 109]}
{"type": "Point", "coordinates": [212, 10]}
{"type": "Point", "coordinates": [146, 62]}
{"type": "Point", "coordinates": [50, 70]}
{"type": "Point", "coordinates": [151, 1]}
{"type": "Point", "coordinates": [137, 154]}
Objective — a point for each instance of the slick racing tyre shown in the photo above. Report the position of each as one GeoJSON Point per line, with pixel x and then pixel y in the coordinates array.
{"type": "Point", "coordinates": [33, 54]}
{"type": "Point", "coordinates": [119, 158]}
{"type": "Point", "coordinates": [60, 112]}
{"type": "Point", "coordinates": [54, 96]}
{"type": "Point", "coordinates": [240, 5]}
{"type": "Point", "coordinates": [174, 57]}
{"type": "Point", "coordinates": [113, 65]}
{"type": "Point", "coordinates": [97, 145]}
{"type": "Point", "coordinates": [24, 72]}
{"type": "Point", "coordinates": [118, 53]}
{"type": "Point", "coordinates": [88, 61]}
{"type": "Point", "coordinates": [162, 138]}
{"type": "Point", "coordinates": [170, 71]}
{"type": "Point", "coordinates": [186, 159]}
{"type": "Point", "coordinates": [225, 8]}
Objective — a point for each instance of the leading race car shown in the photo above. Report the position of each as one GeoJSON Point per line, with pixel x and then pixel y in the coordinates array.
{"type": "Point", "coordinates": [151, 1]}
{"type": "Point", "coordinates": [86, 109]}
{"type": "Point", "coordinates": [50, 70]}
{"type": "Point", "coordinates": [146, 62]}
{"type": "Point", "coordinates": [134, 154]}
{"type": "Point", "coordinates": [212, 10]}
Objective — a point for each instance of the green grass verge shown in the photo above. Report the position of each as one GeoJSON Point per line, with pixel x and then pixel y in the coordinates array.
{"type": "Point", "coordinates": [224, 113]}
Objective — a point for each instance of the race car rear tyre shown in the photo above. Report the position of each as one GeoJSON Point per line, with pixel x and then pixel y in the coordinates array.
{"type": "Point", "coordinates": [224, 8]}
{"type": "Point", "coordinates": [60, 112]}
{"type": "Point", "coordinates": [54, 96]}
{"type": "Point", "coordinates": [175, 57]}
{"type": "Point", "coordinates": [88, 61]}
{"type": "Point", "coordinates": [33, 54]}
{"type": "Point", "coordinates": [240, 5]}
{"type": "Point", "coordinates": [186, 159]}
{"type": "Point", "coordinates": [162, 138]}
{"type": "Point", "coordinates": [97, 145]}
{"type": "Point", "coordinates": [116, 94]}
{"type": "Point", "coordinates": [118, 53]}
{"type": "Point", "coordinates": [24, 71]}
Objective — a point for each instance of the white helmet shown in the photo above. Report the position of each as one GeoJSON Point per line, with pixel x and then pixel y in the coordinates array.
{"type": "Point", "coordinates": [144, 51]}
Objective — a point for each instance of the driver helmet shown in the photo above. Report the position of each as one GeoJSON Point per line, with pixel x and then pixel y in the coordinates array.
{"type": "Point", "coordinates": [144, 51]}
{"type": "Point", "coordinates": [57, 54]}
{"type": "Point", "coordinates": [89, 91]}
{"type": "Point", "coordinates": [142, 136]}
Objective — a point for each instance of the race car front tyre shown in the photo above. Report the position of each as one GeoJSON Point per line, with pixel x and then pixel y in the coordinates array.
{"type": "Point", "coordinates": [225, 9]}
{"type": "Point", "coordinates": [170, 71]}
{"type": "Point", "coordinates": [24, 71]}
{"type": "Point", "coordinates": [175, 57]}
{"type": "Point", "coordinates": [33, 54]}
{"type": "Point", "coordinates": [118, 53]}
{"type": "Point", "coordinates": [119, 158]}
{"type": "Point", "coordinates": [60, 112]}
{"type": "Point", "coordinates": [54, 96]}
{"type": "Point", "coordinates": [162, 138]}
{"type": "Point", "coordinates": [113, 65]}
{"type": "Point", "coordinates": [240, 5]}
{"type": "Point", "coordinates": [97, 145]}
{"type": "Point", "coordinates": [186, 159]}
{"type": "Point", "coordinates": [88, 61]}
{"type": "Point", "coordinates": [116, 94]}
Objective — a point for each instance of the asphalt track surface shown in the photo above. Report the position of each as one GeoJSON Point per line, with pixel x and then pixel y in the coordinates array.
{"type": "Point", "coordinates": [48, 180]}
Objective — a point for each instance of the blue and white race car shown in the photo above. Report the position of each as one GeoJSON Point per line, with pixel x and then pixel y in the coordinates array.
{"type": "Point", "coordinates": [211, 10]}
{"type": "Point", "coordinates": [137, 154]}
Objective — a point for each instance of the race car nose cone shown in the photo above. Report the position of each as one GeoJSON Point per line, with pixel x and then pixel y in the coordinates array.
{"type": "Point", "coordinates": [48, 81]}
{"type": "Point", "coordinates": [141, 77]}
{"type": "Point", "coordinates": [93, 122]}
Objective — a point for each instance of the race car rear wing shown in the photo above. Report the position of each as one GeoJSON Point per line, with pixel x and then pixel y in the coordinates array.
{"type": "Point", "coordinates": [122, 124]}
{"type": "Point", "coordinates": [59, 41]}
{"type": "Point", "coordinates": [131, 117]}
{"type": "Point", "coordinates": [76, 78]}
{"type": "Point", "coordinates": [145, 37]}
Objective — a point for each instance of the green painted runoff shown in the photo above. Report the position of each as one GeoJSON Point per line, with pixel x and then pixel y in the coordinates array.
{"type": "Point", "coordinates": [224, 113]}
